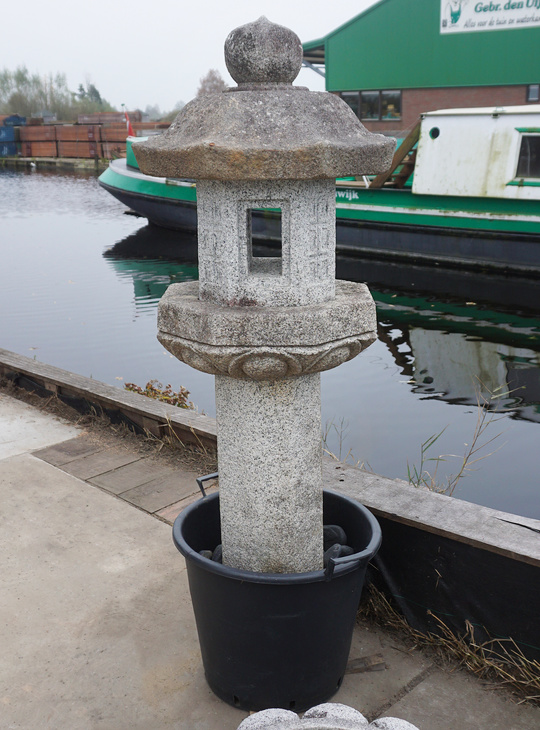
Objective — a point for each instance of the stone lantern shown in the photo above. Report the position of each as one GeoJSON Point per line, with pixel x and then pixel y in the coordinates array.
{"type": "Point", "coordinates": [267, 326]}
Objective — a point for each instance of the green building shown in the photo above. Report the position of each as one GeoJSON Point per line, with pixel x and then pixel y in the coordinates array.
{"type": "Point", "coordinates": [400, 58]}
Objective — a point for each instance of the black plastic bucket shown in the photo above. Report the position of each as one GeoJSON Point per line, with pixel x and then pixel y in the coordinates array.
{"type": "Point", "coordinates": [273, 639]}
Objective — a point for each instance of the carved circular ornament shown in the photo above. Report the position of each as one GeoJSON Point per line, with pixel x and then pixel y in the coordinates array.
{"type": "Point", "coordinates": [265, 363]}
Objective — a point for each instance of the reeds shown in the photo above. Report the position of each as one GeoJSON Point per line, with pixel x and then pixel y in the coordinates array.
{"type": "Point", "coordinates": [498, 661]}
{"type": "Point", "coordinates": [475, 450]}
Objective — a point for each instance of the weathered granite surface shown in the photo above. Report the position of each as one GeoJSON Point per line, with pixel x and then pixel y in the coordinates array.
{"type": "Point", "coordinates": [264, 343]}
{"type": "Point", "coordinates": [270, 473]}
{"type": "Point", "coordinates": [263, 52]}
{"type": "Point", "coordinates": [182, 314]}
{"type": "Point", "coordinates": [329, 716]}
{"type": "Point", "coordinates": [303, 272]}
{"type": "Point", "coordinates": [243, 136]}
{"type": "Point", "coordinates": [265, 128]}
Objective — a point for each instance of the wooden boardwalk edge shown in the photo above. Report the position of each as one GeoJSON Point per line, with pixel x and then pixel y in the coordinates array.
{"type": "Point", "coordinates": [146, 413]}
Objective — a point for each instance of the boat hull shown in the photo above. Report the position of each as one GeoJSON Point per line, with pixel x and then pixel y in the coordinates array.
{"type": "Point", "coordinates": [436, 246]}
{"type": "Point", "coordinates": [179, 215]}
{"type": "Point", "coordinates": [390, 224]}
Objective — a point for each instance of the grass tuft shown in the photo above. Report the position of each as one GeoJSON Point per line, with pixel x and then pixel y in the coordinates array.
{"type": "Point", "coordinates": [498, 661]}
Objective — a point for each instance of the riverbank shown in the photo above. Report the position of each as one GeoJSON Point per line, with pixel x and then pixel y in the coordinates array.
{"type": "Point", "coordinates": [55, 163]}
{"type": "Point", "coordinates": [101, 630]}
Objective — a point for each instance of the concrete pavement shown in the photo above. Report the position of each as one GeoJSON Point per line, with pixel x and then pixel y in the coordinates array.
{"type": "Point", "coordinates": [96, 621]}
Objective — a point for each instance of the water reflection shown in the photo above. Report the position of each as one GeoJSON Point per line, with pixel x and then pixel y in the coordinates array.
{"type": "Point", "coordinates": [149, 258]}
{"type": "Point", "coordinates": [457, 367]}
{"type": "Point", "coordinates": [449, 350]}
{"type": "Point", "coordinates": [52, 192]}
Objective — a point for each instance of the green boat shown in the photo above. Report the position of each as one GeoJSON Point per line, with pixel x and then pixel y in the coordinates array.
{"type": "Point", "coordinates": [463, 191]}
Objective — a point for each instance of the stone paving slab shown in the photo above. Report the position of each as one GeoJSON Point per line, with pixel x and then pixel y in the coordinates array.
{"type": "Point", "coordinates": [95, 616]}
{"type": "Point", "coordinates": [170, 513]}
{"type": "Point", "coordinates": [63, 453]}
{"type": "Point", "coordinates": [24, 428]}
{"type": "Point", "coordinates": [371, 692]}
{"type": "Point", "coordinates": [447, 700]}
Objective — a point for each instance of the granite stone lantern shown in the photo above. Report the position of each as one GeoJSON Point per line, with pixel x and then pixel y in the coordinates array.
{"type": "Point", "coordinates": [266, 327]}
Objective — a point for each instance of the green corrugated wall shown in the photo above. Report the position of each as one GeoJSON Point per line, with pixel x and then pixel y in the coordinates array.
{"type": "Point", "coordinates": [397, 44]}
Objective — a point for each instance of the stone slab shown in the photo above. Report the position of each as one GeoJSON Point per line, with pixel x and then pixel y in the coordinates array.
{"type": "Point", "coordinates": [90, 466]}
{"type": "Point", "coordinates": [67, 451]}
{"type": "Point", "coordinates": [369, 692]}
{"type": "Point", "coordinates": [183, 315]}
{"type": "Point", "coordinates": [447, 700]}
{"type": "Point", "coordinates": [162, 492]}
{"type": "Point", "coordinates": [95, 617]}
{"type": "Point", "coordinates": [133, 475]}
{"type": "Point", "coordinates": [24, 428]}
{"type": "Point", "coordinates": [265, 342]}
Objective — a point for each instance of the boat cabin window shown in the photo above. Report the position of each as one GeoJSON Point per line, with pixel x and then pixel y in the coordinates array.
{"type": "Point", "coordinates": [529, 156]}
{"type": "Point", "coordinates": [533, 92]}
{"type": "Point", "coordinates": [374, 105]}
{"type": "Point", "coordinates": [259, 260]}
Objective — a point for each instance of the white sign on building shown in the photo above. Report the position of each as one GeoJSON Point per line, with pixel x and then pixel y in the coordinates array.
{"type": "Point", "coordinates": [463, 16]}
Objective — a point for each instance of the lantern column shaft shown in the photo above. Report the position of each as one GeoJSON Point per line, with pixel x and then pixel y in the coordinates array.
{"type": "Point", "coordinates": [270, 475]}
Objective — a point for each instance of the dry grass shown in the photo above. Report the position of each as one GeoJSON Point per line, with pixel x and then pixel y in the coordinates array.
{"type": "Point", "coordinates": [497, 661]}
{"type": "Point", "coordinates": [169, 446]}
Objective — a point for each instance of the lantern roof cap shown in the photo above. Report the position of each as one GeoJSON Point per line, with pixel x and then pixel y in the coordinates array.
{"type": "Point", "coordinates": [265, 128]}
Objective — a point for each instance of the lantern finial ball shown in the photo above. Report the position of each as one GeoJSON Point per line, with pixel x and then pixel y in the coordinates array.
{"type": "Point", "coordinates": [263, 53]}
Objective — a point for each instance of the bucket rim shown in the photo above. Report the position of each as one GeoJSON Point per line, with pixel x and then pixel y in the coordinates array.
{"type": "Point", "coordinates": [339, 566]}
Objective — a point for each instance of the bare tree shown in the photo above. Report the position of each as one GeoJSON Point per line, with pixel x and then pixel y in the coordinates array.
{"type": "Point", "coordinates": [211, 83]}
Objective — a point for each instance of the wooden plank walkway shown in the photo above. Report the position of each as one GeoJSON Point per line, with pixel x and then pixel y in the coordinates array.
{"type": "Point", "coordinates": [143, 481]}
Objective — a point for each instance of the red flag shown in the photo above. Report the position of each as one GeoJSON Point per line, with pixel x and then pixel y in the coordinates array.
{"type": "Point", "coordinates": [128, 124]}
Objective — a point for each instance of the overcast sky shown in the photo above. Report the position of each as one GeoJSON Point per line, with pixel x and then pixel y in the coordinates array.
{"type": "Point", "coordinates": [141, 52]}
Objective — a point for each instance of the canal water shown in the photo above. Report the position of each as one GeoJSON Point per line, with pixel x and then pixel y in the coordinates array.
{"type": "Point", "coordinates": [79, 286]}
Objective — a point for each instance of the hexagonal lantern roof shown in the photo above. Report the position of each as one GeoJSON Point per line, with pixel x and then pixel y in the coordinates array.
{"type": "Point", "coordinates": [265, 128]}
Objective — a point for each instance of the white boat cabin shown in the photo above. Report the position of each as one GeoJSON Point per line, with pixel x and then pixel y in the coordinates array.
{"type": "Point", "coordinates": [490, 152]}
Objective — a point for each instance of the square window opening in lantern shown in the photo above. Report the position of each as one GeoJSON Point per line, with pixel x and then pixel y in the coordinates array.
{"type": "Point", "coordinates": [265, 253]}
{"type": "Point", "coordinates": [390, 105]}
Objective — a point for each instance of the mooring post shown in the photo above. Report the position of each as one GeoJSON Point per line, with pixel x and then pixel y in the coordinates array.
{"type": "Point", "coordinates": [267, 151]}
